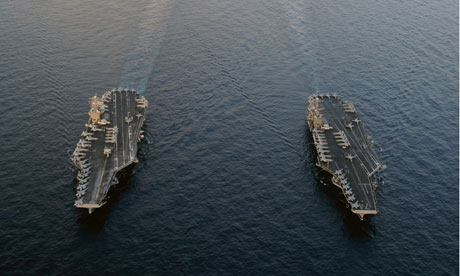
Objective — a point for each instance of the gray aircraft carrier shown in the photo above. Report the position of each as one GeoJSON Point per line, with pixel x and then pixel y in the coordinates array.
{"type": "Point", "coordinates": [108, 144]}
{"type": "Point", "coordinates": [344, 150]}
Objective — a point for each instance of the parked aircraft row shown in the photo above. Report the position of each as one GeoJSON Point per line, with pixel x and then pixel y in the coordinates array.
{"type": "Point", "coordinates": [347, 190]}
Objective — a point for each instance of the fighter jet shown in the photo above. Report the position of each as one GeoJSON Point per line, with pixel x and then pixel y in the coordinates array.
{"type": "Point", "coordinates": [351, 198]}
{"type": "Point", "coordinates": [350, 157]}
{"type": "Point", "coordinates": [81, 174]}
{"type": "Point", "coordinates": [325, 159]}
{"type": "Point", "coordinates": [356, 120]}
{"type": "Point", "coordinates": [346, 186]}
{"type": "Point", "coordinates": [78, 153]}
{"type": "Point", "coordinates": [349, 125]}
{"type": "Point", "coordinates": [338, 172]}
{"type": "Point", "coordinates": [128, 119]}
{"type": "Point", "coordinates": [138, 115]}
{"type": "Point", "coordinates": [78, 202]}
{"type": "Point", "coordinates": [82, 187]}
{"type": "Point", "coordinates": [355, 205]}
{"type": "Point", "coordinates": [83, 142]}
{"type": "Point", "coordinates": [80, 193]}
{"type": "Point", "coordinates": [85, 174]}
{"type": "Point", "coordinates": [78, 156]}
{"type": "Point", "coordinates": [94, 128]}
{"type": "Point", "coordinates": [85, 171]}
{"type": "Point", "coordinates": [83, 145]}
{"type": "Point", "coordinates": [85, 133]}
{"type": "Point", "coordinates": [348, 192]}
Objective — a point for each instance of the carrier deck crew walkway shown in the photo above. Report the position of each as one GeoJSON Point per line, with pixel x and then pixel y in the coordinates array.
{"type": "Point", "coordinates": [108, 144]}
{"type": "Point", "coordinates": [344, 150]}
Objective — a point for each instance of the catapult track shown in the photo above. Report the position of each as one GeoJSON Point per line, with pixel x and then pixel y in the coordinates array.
{"type": "Point", "coordinates": [109, 144]}
{"type": "Point", "coordinates": [344, 151]}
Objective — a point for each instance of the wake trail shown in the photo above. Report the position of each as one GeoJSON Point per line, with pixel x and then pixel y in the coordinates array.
{"type": "Point", "coordinates": [242, 90]}
{"type": "Point", "coordinates": [145, 47]}
{"type": "Point", "coordinates": [302, 24]}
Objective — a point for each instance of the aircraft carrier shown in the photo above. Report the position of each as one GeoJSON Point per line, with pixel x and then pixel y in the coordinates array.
{"type": "Point", "coordinates": [108, 144]}
{"type": "Point", "coordinates": [344, 151]}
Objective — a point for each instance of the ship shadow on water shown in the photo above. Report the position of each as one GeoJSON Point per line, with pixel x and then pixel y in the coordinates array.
{"type": "Point", "coordinates": [353, 226]}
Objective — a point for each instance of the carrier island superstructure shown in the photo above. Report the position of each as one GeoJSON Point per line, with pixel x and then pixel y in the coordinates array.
{"type": "Point", "coordinates": [344, 151]}
{"type": "Point", "coordinates": [108, 144]}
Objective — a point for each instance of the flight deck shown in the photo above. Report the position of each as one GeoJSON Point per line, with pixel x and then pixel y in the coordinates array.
{"type": "Point", "coordinates": [344, 150]}
{"type": "Point", "coordinates": [108, 144]}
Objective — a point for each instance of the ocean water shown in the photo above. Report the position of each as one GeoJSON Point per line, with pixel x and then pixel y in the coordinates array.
{"type": "Point", "coordinates": [227, 183]}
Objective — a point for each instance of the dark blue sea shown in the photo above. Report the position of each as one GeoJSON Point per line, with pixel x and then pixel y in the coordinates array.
{"type": "Point", "coordinates": [227, 183]}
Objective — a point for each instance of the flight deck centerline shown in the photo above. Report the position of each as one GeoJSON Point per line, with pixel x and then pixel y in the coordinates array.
{"type": "Point", "coordinates": [344, 151]}
{"type": "Point", "coordinates": [108, 144]}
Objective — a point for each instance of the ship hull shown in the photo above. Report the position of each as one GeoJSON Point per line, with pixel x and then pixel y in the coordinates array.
{"type": "Point", "coordinates": [108, 146]}
{"type": "Point", "coordinates": [344, 151]}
